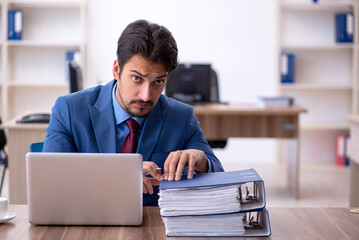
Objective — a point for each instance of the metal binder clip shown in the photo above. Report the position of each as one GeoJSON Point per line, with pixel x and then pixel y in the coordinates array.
{"type": "Point", "coordinates": [249, 198]}
{"type": "Point", "coordinates": [250, 223]}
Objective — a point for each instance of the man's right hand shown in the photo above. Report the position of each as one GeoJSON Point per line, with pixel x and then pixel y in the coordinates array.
{"type": "Point", "coordinates": [148, 183]}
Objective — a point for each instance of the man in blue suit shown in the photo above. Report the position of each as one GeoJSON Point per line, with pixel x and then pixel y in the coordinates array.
{"type": "Point", "coordinates": [169, 135]}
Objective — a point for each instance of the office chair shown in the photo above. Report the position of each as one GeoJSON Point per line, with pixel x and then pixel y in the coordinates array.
{"type": "Point", "coordinates": [189, 81]}
{"type": "Point", "coordinates": [214, 88]}
{"type": "Point", "coordinates": [36, 147]}
{"type": "Point", "coordinates": [193, 84]}
{"type": "Point", "coordinates": [3, 156]}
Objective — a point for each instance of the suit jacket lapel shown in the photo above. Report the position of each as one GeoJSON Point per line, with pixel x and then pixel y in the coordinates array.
{"type": "Point", "coordinates": [103, 120]}
{"type": "Point", "coordinates": [151, 131]}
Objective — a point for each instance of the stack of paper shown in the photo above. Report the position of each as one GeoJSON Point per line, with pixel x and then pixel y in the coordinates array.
{"type": "Point", "coordinates": [199, 201]}
{"type": "Point", "coordinates": [211, 225]}
{"type": "Point", "coordinates": [215, 204]}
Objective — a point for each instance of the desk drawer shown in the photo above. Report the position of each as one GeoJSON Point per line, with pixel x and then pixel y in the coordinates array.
{"type": "Point", "coordinates": [221, 127]}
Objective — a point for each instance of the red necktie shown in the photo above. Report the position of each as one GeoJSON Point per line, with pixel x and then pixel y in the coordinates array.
{"type": "Point", "coordinates": [130, 143]}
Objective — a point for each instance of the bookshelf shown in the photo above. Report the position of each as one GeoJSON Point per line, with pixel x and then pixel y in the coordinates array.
{"type": "Point", "coordinates": [33, 68]}
{"type": "Point", "coordinates": [326, 72]}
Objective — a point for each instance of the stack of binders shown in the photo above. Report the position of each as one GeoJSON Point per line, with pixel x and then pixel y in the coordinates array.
{"type": "Point", "coordinates": [215, 204]}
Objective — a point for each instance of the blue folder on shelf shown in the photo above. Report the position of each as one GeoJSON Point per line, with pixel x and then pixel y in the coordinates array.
{"type": "Point", "coordinates": [15, 24]}
{"type": "Point", "coordinates": [344, 27]}
{"type": "Point", "coordinates": [287, 66]}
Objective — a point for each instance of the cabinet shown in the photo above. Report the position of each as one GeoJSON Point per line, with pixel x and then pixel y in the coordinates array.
{"type": "Point", "coordinates": [326, 72]}
{"type": "Point", "coordinates": [33, 68]}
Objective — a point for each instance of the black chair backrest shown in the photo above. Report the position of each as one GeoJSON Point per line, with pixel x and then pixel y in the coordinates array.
{"type": "Point", "coordinates": [2, 137]}
{"type": "Point", "coordinates": [193, 84]}
{"type": "Point", "coordinates": [214, 96]}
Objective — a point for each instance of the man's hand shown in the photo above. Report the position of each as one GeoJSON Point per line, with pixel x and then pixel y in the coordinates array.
{"type": "Point", "coordinates": [150, 168]}
{"type": "Point", "coordinates": [177, 161]}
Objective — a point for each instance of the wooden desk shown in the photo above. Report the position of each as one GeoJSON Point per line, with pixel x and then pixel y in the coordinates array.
{"type": "Point", "coordinates": [221, 121]}
{"type": "Point", "coordinates": [286, 223]}
{"type": "Point", "coordinates": [218, 122]}
{"type": "Point", "coordinates": [354, 160]}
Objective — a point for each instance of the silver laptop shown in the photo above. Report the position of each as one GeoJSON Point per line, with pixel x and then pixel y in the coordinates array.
{"type": "Point", "coordinates": [84, 188]}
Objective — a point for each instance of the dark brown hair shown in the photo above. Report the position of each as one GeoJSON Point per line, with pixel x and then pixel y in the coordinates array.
{"type": "Point", "coordinates": [150, 40]}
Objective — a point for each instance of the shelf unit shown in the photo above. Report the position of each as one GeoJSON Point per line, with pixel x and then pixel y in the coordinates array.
{"type": "Point", "coordinates": [326, 72]}
{"type": "Point", "coordinates": [33, 69]}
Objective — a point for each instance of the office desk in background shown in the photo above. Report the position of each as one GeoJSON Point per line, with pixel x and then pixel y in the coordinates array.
{"type": "Point", "coordinates": [218, 121]}
{"type": "Point", "coordinates": [222, 121]}
{"type": "Point", "coordinates": [286, 223]}
{"type": "Point", "coordinates": [19, 137]}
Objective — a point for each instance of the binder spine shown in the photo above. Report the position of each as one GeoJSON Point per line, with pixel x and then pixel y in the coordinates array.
{"type": "Point", "coordinates": [340, 150]}
{"type": "Point", "coordinates": [347, 150]}
{"type": "Point", "coordinates": [15, 24]}
{"type": "Point", "coordinates": [73, 70]}
{"type": "Point", "coordinates": [344, 27]}
{"type": "Point", "coordinates": [257, 224]}
{"type": "Point", "coordinates": [287, 67]}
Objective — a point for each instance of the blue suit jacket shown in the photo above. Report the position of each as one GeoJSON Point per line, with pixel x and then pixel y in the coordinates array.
{"type": "Point", "coordinates": [85, 122]}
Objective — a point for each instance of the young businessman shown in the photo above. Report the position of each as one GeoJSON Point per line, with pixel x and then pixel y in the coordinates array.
{"type": "Point", "coordinates": [168, 132]}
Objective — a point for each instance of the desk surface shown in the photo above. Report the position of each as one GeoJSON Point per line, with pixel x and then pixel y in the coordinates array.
{"type": "Point", "coordinates": [244, 109]}
{"type": "Point", "coordinates": [286, 223]}
{"type": "Point", "coordinates": [24, 126]}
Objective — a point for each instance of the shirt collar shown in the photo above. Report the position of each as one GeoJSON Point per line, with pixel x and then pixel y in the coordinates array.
{"type": "Point", "coordinates": [120, 114]}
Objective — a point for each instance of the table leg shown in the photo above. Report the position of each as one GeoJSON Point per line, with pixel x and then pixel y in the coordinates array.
{"type": "Point", "coordinates": [293, 167]}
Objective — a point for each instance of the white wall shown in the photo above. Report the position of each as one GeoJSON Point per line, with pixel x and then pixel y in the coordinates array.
{"type": "Point", "coordinates": [238, 37]}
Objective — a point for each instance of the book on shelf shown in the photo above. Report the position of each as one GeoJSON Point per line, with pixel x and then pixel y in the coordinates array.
{"type": "Point", "coordinates": [347, 150]}
{"type": "Point", "coordinates": [344, 27]}
{"type": "Point", "coordinates": [342, 151]}
{"type": "Point", "coordinates": [287, 67]}
{"type": "Point", "coordinates": [15, 24]}
{"type": "Point", "coordinates": [215, 204]}
{"type": "Point", "coordinates": [339, 149]}
{"type": "Point", "coordinates": [275, 101]}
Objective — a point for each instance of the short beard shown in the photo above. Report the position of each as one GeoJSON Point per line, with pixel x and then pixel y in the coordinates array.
{"type": "Point", "coordinates": [140, 114]}
{"type": "Point", "coordinates": [127, 106]}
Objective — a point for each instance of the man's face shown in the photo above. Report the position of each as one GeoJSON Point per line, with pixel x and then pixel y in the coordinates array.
{"type": "Point", "coordinates": [140, 84]}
